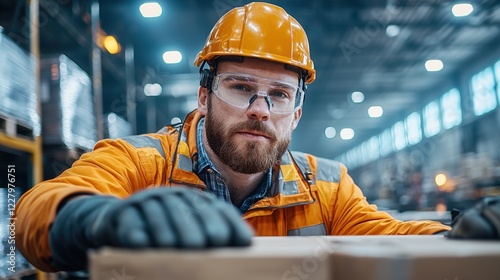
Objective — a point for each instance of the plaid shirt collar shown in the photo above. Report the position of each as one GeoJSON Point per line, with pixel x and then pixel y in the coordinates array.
{"type": "Point", "coordinates": [207, 172]}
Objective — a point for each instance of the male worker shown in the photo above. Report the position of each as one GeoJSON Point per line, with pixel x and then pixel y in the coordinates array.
{"type": "Point", "coordinates": [181, 187]}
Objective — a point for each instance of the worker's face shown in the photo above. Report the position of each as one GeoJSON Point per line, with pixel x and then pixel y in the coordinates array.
{"type": "Point", "coordinates": [251, 139]}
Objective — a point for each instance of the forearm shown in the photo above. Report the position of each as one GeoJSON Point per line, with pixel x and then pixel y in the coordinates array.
{"type": "Point", "coordinates": [364, 219]}
{"type": "Point", "coordinates": [112, 169]}
{"type": "Point", "coordinates": [353, 215]}
{"type": "Point", "coordinates": [35, 213]}
{"type": "Point", "coordinates": [71, 233]}
{"type": "Point", "coordinates": [159, 217]}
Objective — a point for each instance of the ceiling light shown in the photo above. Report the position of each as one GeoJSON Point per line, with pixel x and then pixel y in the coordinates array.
{"type": "Point", "coordinates": [330, 132]}
{"type": "Point", "coordinates": [392, 30]}
{"type": "Point", "coordinates": [182, 88]}
{"type": "Point", "coordinates": [111, 45]}
{"type": "Point", "coordinates": [175, 120]}
{"type": "Point", "coordinates": [347, 133]}
{"type": "Point", "coordinates": [357, 97]}
{"type": "Point", "coordinates": [152, 89]}
{"type": "Point", "coordinates": [462, 10]}
{"type": "Point", "coordinates": [433, 65]}
{"type": "Point", "coordinates": [181, 85]}
{"type": "Point", "coordinates": [440, 179]}
{"type": "Point", "coordinates": [172, 57]}
{"type": "Point", "coordinates": [149, 10]}
{"type": "Point", "coordinates": [111, 118]}
{"type": "Point", "coordinates": [375, 111]}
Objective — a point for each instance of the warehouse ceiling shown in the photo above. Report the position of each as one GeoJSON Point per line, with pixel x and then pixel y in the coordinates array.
{"type": "Point", "coordinates": [349, 45]}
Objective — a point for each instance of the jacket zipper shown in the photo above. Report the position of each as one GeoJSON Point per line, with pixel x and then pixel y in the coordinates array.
{"type": "Point", "coordinates": [283, 206]}
{"type": "Point", "coordinates": [170, 180]}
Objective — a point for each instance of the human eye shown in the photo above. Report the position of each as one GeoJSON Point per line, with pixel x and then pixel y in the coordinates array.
{"type": "Point", "coordinates": [280, 94]}
{"type": "Point", "coordinates": [241, 87]}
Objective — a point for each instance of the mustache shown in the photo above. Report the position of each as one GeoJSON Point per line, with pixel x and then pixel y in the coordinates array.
{"type": "Point", "coordinates": [253, 125]}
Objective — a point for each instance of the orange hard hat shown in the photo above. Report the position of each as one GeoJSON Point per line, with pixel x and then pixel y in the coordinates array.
{"type": "Point", "coordinates": [260, 30]}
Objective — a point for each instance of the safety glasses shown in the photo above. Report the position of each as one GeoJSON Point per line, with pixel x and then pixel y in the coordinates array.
{"type": "Point", "coordinates": [241, 90]}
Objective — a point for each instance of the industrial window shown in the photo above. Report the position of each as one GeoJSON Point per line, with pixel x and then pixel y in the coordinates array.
{"type": "Point", "coordinates": [451, 109]}
{"type": "Point", "coordinates": [385, 141]}
{"type": "Point", "coordinates": [497, 76]}
{"type": "Point", "coordinates": [374, 148]}
{"type": "Point", "coordinates": [353, 158]}
{"type": "Point", "coordinates": [431, 118]}
{"type": "Point", "coordinates": [364, 152]}
{"type": "Point", "coordinates": [399, 135]}
{"type": "Point", "coordinates": [413, 128]}
{"type": "Point", "coordinates": [483, 92]}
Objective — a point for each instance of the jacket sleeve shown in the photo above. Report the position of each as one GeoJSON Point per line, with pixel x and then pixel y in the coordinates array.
{"type": "Point", "coordinates": [352, 215]}
{"type": "Point", "coordinates": [115, 167]}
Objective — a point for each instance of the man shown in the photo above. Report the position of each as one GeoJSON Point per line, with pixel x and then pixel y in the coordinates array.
{"type": "Point", "coordinates": [175, 188]}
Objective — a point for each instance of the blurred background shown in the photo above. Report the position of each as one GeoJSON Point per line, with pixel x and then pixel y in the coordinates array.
{"type": "Point", "coordinates": [407, 92]}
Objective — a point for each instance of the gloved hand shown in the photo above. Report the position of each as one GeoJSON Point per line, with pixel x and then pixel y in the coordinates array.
{"type": "Point", "coordinates": [160, 217]}
{"type": "Point", "coordinates": [480, 222]}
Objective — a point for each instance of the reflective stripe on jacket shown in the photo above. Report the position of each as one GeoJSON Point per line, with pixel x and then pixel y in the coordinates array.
{"type": "Point", "coordinates": [313, 196]}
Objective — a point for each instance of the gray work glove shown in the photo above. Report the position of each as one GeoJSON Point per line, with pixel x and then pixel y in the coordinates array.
{"type": "Point", "coordinates": [156, 218]}
{"type": "Point", "coordinates": [479, 222]}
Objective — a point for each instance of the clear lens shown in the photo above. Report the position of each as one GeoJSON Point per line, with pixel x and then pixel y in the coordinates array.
{"type": "Point", "coordinates": [241, 90]}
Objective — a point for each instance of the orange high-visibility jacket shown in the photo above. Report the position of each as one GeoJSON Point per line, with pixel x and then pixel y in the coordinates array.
{"type": "Point", "coordinates": [313, 196]}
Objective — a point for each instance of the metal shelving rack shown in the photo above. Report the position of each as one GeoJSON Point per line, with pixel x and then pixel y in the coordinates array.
{"type": "Point", "coordinates": [18, 139]}
{"type": "Point", "coordinates": [15, 138]}
{"type": "Point", "coordinates": [30, 146]}
{"type": "Point", "coordinates": [12, 134]}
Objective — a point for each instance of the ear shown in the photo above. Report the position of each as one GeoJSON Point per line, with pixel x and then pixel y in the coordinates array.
{"type": "Point", "coordinates": [203, 96]}
{"type": "Point", "coordinates": [296, 118]}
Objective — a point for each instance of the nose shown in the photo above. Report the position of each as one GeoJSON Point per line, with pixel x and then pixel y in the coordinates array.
{"type": "Point", "coordinates": [259, 108]}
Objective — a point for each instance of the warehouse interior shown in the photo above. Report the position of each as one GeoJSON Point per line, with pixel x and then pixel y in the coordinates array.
{"type": "Point", "coordinates": [407, 93]}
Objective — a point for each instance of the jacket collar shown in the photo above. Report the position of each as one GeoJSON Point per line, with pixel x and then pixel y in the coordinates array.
{"type": "Point", "coordinates": [289, 184]}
